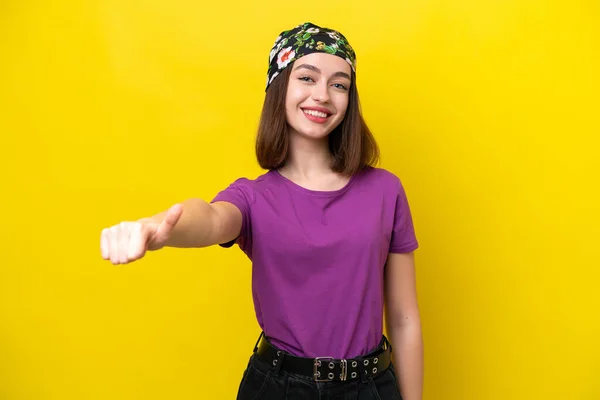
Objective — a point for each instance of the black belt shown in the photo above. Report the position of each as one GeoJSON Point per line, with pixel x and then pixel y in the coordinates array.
{"type": "Point", "coordinates": [323, 369]}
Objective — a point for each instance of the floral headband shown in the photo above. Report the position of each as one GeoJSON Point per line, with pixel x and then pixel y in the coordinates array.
{"type": "Point", "coordinates": [305, 39]}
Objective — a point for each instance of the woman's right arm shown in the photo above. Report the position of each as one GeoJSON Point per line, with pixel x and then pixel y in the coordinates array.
{"type": "Point", "coordinates": [192, 223]}
{"type": "Point", "coordinates": [202, 224]}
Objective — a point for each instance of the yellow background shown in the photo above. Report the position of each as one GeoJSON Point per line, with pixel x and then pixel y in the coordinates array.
{"type": "Point", "coordinates": [113, 110]}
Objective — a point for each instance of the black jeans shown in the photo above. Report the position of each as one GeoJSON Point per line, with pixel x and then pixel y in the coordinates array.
{"type": "Point", "coordinates": [262, 382]}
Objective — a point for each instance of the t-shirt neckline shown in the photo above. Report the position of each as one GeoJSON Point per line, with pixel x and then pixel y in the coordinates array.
{"type": "Point", "coordinates": [321, 193]}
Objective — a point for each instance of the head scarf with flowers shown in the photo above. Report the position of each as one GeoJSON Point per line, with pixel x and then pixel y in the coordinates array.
{"type": "Point", "coordinates": [305, 39]}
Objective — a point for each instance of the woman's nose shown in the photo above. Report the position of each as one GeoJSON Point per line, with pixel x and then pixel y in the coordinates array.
{"type": "Point", "coordinates": [321, 92]}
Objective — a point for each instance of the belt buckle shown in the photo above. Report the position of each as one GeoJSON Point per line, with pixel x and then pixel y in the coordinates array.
{"type": "Point", "coordinates": [316, 373]}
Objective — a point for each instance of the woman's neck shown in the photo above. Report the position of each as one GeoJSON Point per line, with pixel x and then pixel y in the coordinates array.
{"type": "Point", "coordinates": [309, 165]}
{"type": "Point", "coordinates": [307, 157]}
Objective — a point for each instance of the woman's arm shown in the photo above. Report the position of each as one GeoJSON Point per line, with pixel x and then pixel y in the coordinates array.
{"type": "Point", "coordinates": [404, 324]}
{"type": "Point", "coordinates": [193, 223]}
{"type": "Point", "coordinates": [202, 224]}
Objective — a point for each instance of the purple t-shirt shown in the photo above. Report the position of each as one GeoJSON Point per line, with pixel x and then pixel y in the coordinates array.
{"type": "Point", "coordinates": [318, 258]}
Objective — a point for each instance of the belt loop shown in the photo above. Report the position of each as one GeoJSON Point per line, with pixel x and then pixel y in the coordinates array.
{"type": "Point", "coordinates": [362, 370]}
{"type": "Point", "coordinates": [262, 333]}
{"type": "Point", "coordinates": [278, 362]}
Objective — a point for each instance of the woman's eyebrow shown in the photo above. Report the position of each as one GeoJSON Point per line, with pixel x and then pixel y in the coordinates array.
{"type": "Point", "coordinates": [342, 74]}
{"type": "Point", "coordinates": [308, 66]}
{"type": "Point", "coordinates": [318, 71]}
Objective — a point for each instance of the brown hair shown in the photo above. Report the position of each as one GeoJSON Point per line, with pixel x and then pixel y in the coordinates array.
{"type": "Point", "coordinates": [351, 143]}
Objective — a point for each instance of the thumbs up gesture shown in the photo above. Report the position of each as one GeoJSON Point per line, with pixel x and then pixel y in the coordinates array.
{"type": "Point", "coordinates": [129, 241]}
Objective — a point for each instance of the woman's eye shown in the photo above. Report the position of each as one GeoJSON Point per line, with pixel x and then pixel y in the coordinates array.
{"type": "Point", "coordinates": [305, 78]}
{"type": "Point", "coordinates": [340, 86]}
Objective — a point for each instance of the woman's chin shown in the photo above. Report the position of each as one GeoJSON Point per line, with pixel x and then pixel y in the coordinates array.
{"type": "Point", "coordinates": [311, 133]}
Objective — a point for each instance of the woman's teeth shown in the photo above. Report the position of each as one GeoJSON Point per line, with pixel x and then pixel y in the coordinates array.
{"type": "Point", "coordinates": [316, 113]}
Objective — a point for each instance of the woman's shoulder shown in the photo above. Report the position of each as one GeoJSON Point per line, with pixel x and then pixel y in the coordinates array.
{"type": "Point", "coordinates": [253, 183]}
{"type": "Point", "coordinates": [380, 176]}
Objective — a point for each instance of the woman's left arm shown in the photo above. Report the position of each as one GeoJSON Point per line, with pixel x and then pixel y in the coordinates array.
{"type": "Point", "coordinates": [404, 323]}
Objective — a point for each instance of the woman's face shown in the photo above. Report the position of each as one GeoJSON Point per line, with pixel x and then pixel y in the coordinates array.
{"type": "Point", "coordinates": [317, 94]}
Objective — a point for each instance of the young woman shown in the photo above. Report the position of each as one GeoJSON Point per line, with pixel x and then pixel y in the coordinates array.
{"type": "Point", "coordinates": [330, 237]}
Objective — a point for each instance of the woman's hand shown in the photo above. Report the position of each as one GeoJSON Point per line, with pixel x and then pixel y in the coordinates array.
{"type": "Point", "coordinates": [129, 241]}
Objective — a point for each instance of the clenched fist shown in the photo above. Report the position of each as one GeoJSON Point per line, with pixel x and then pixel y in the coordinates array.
{"type": "Point", "coordinates": [129, 241]}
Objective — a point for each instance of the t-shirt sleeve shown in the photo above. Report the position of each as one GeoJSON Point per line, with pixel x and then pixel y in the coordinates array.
{"type": "Point", "coordinates": [403, 239]}
{"type": "Point", "coordinates": [241, 195]}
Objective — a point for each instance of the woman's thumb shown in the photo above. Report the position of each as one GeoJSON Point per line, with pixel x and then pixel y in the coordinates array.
{"type": "Point", "coordinates": [169, 221]}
